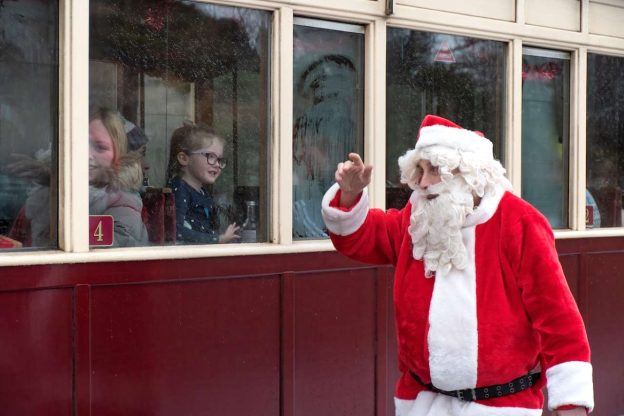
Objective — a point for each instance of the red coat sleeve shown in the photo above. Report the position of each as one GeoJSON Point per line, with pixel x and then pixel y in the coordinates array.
{"type": "Point", "coordinates": [565, 353]}
{"type": "Point", "coordinates": [367, 235]}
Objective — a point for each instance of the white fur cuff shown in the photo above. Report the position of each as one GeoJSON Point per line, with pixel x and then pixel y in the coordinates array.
{"type": "Point", "coordinates": [344, 222]}
{"type": "Point", "coordinates": [570, 383]}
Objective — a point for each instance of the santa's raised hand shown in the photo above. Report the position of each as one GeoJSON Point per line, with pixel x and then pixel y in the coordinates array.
{"type": "Point", "coordinates": [352, 176]}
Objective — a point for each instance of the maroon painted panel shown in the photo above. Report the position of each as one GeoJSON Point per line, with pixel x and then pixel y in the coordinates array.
{"type": "Point", "coordinates": [391, 374]}
{"type": "Point", "coordinates": [36, 353]}
{"type": "Point", "coordinates": [335, 319]}
{"type": "Point", "coordinates": [225, 336]}
{"type": "Point", "coordinates": [47, 276]}
{"type": "Point", "coordinates": [605, 325]}
{"type": "Point", "coordinates": [288, 345]}
{"type": "Point", "coordinates": [82, 350]}
{"type": "Point", "coordinates": [204, 347]}
{"type": "Point", "coordinates": [570, 267]}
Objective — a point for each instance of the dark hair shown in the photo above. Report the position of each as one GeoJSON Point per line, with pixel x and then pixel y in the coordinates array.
{"type": "Point", "coordinates": [186, 139]}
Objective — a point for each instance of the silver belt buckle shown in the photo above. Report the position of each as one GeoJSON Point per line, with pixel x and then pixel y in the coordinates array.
{"type": "Point", "coordinates": [473, 393]}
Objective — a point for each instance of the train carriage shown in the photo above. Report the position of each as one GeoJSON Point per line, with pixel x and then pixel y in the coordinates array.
{"type": "Point", "coordinates": [120, 294]}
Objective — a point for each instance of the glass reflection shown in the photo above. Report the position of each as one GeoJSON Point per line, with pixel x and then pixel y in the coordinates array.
{"type": "Point", "coordinates": [28, 124]}
{"type": "Point", "coordinates": [545, 133]}
{"type": "Point", "coordinates": [165, 64]}
{"type": "Point", "coordinates": [328, 117]}
{"type": "Point", "coordinates": [460, 78]}
{"type": "Point", "coordinates": [605, 140]}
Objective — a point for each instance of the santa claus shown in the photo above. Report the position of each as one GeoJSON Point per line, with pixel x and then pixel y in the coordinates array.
{"type": "Point", "coordinates": [484, 316]}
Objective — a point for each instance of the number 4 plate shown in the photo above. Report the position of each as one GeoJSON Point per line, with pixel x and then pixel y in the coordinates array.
{"type": "Point", "coordinates": [101, 230]}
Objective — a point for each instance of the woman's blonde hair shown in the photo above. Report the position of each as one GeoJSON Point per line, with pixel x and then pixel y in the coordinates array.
{"type": "Point", "coordinates": [114, 125]}
{"type": "Point", "coordinates": [188, 138]}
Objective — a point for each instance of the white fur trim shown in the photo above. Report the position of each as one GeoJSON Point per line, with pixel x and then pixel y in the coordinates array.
{"type": "Point", "coordinates": [570, 383]}
{"type": "Point", "coordinates": [344, 222]}
{"type": "Point", "coordinates": [486, 209]}
{"type": "Point", "coordinates": [433, 404]}
{"type": "Point", "coordinates": [455, 138]}
{"type": "Point", "coordinates": [452, 338]}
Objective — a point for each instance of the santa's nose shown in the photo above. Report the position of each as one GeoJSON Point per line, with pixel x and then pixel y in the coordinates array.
{"type": "Point", "coordinates": [428, 179]}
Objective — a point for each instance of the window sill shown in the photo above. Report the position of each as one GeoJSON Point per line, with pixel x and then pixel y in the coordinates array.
{"type": "Point", "coordinates": [160, 253]}
{"type": "Point", "coordinates": [589, 233]}
{"type": "Point", "coordinates": [223, 250]}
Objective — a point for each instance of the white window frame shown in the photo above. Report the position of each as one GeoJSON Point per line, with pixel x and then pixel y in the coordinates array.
{"type": "Point", "coordinates": [370, 14]}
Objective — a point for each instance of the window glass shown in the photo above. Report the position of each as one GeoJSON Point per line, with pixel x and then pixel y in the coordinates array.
{"type": "Point", "coordinates": [459, 78]}
{"type": "Point", "coordinates": [328, 114]}
{"type": "Point", "coordinates": [605, 140]}
{"type": "Point", "coordinates": [28, 132]}
{"type": "Point", "coordinates": [545, 132]}
{"type": "Point", "coordinates": [188, 83]}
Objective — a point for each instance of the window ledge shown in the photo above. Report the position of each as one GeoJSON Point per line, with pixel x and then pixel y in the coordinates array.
{"type": "Point", "coordinates": [222, 250]}
{"type": "Point", "coordinates": [589, 233]}
{"type": "Point", "coordinates": [160, 253]}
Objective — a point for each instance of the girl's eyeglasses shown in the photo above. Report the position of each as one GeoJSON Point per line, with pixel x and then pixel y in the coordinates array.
{"type": "Point", "coordinates": [213, 159]}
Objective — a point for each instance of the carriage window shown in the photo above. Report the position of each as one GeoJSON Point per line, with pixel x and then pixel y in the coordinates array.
{"type": "Point", "coordinates": [545, 132]}
{"type": "Point", "coordinates": [179, 123]}
{"type": "Point", "coordinates": [28, 133]}
{"type": "Point", "coordinates": [327, 112]}
{"type": "Point", "coordinates": [455, 77]}
{"type": "Point", "coordinates": [605, 141]}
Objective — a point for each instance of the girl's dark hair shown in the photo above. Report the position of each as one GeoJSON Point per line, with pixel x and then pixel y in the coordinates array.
{"type": "Point", "coordinates": [186, 139]}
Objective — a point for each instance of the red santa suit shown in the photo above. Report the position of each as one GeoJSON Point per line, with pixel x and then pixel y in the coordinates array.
{"type": "Point", "coordinates": [507, 313]}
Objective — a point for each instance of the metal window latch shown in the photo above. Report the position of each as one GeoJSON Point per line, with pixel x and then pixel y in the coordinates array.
{"type": "Point", "coordinates": [389, 7]}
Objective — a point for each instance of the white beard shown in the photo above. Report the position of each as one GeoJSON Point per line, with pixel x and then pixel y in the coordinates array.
{"type": "Point", "coordinates": [435, 225]}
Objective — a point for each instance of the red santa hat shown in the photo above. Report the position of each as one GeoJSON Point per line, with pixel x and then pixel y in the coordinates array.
{"type": "Point", "coordinates": [450, 146]}
{"type": "Point", "coordinates": [438, 131]}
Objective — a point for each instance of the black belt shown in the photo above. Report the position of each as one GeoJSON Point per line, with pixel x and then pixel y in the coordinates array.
{"type": "Point", "coordinates": [482, 393]}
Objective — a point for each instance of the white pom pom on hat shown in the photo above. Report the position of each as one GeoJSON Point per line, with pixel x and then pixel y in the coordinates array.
{"type": "Point", "coordinates": [438, 131]}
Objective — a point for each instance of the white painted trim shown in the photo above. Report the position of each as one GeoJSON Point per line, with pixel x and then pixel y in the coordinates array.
{"type": "Point", "coordinates": [578, 137]}
{"type": "Point", "coordinates": [73, 224]}
{"type": "Point", "coordinates": [585, 16]}
{"type": "Point", "coordinates": [513, 148]}
{"type": "Point", "coordinates": [209, 251]}
{"type": "Point", "coordinates": [520, 12]}
{"type": "Point", "coordinates": [444, 22]}
{"type": "Point", "coordinates": [328, 25]}
{"type": "Point", "coordinates": [589, 233]}
{"type": "Point", "coordinates": [375, 111]}
{"type": "Point", "coordinates": [617, 3]}
{"type": "Point", "coordinates": [163, 253]}
{"type": "Point", "coordinates": [319, 8]}
{"type": "Point", "coordinates": [364, 11]}
{"type": "Point", "coordinates": [545, 53]}
{"type": "Point", "coordinates": [282, 169]}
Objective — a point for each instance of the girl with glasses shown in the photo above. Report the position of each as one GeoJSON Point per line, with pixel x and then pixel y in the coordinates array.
{"type": "Point", "coordinates": [195, 161]}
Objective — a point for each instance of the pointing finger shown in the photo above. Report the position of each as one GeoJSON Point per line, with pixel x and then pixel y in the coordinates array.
{"type": "Point", "coordinates": [356, 159]}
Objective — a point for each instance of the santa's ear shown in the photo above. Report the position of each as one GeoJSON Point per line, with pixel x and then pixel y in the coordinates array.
{"type": "Point", "coordinates": [182, 158]}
